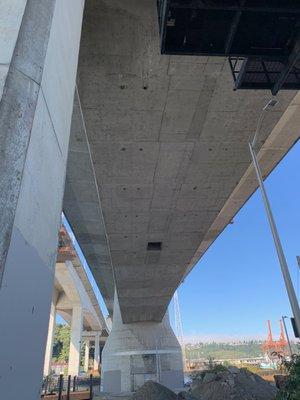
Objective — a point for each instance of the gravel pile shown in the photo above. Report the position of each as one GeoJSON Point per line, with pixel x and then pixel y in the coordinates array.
{"type": "Point", "coordinates": [153, 391]}
{"type": "Point", "coordinates": [233, 384]}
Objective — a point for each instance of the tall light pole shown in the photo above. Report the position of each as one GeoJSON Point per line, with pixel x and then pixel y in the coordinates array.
{"type": "Point", "coordinates": [298, 262]}
{"type": "Point", "coordinates": [287, 335]}
{"type": "Point", "coordinates": [178, 327]}
{"type": "Point", "coordinates": [281, 257]}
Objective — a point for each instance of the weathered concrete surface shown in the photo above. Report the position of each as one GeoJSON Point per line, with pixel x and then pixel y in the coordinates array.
{"type": "Point", "coordinates": [134, 353]}
{"type": "Point", "coordinates": [10, 20]}
{"type": "Point", "coordinates": [82, 207]}
{"type": "Point", "coordinates": [21, 78]}
{"type": "Point", "coordinates": [32, 172]}
{"type": "Point", "coordinates": [168, 138]}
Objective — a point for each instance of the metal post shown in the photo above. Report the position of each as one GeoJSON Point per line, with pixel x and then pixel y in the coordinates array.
{"type": "Point", "coordinates": [157, 365]}
{"type": "Point", "coordinates": [69, 387]}
{"type": "Point", "coordinates": [74, 383]}
{"type": "Point", "coordinates": [280, 253]}
{"type": "Point", "coordinates": [60, 386]}
{"type": "Point", "coordinates": [298, 271]}
{"type": "Point", "coordinates": [91, 386]}
{"type": "Point", "coordinates": [287, 336]}
{"type": "Point", "coordinates": [46, 384]}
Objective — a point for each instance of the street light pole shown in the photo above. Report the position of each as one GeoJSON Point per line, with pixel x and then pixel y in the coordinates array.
{"type": "Point", "coordinates": [281, 257]}
{"type": "Point", "coordinates": [287, 335]}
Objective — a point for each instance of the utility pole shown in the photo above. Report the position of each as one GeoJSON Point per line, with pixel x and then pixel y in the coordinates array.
{"type": "Point", "coordinates": [298, 271]}
{"type": "Point", "coordinates": [287, 335]}
{"type": "Point", "coordinates": [281, 257]}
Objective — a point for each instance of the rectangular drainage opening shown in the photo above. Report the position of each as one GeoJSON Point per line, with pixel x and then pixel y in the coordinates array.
{"type": "Point", "coordinates": [154, 246]}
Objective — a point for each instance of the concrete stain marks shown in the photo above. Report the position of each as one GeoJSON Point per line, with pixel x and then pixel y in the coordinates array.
{"type": "Point", "coordinates": [80, 163]}
{"type": "Point", "coordinates": [125, 162]}
{"type": "Point", "coordinates": [186, 76]}
{"type": "Point", "coordinates": [32, 46]}
{"type": "Point", "coordinates": [3, 75]}
{"type": "Point", "coordinates": [44, 190]}
{"type": "Point", "coordinates": [11, 15]}
{"type": "Point", "coordinates": [179, 110]}
{"type": "Point", "coordinates": [170, 164]}
{"type": "Point", "coordinates": [132, 191]}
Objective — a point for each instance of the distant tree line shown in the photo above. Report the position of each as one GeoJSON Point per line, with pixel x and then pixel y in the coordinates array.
{"type": "Point", "coordinates": [249, 349]}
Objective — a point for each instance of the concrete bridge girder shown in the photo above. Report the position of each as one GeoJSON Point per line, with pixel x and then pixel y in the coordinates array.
{"type": "Point", "coordinates": [163, 141]}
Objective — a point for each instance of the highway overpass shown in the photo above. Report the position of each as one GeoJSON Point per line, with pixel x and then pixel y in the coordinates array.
{"type": "Point", "coordinates": [156, 167]}
{"type": "Point", "coordinates": [75, 300]}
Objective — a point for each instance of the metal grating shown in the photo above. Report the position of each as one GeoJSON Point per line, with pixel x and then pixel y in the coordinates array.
{"type": "Point", "coordinates": [259, 73]}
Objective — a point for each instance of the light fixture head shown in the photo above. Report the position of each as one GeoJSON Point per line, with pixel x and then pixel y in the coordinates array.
{"type": "Point", "coordinates": [271, 103]}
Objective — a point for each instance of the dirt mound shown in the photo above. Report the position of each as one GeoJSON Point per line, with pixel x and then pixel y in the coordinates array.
{"type": "Point", "coordinates": [233, 384]}
{"type": "Point", "coordinates": [153, 391]}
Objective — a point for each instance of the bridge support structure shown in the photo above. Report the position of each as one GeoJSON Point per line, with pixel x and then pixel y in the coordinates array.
{"type": "Point", "coordinates": [141, 351]}
{"type": "Point", "coordinates": [39, 43]}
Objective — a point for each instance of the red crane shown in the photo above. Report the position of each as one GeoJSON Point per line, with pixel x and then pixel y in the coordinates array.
{"type": "Point", "coordinates": [269, 345]}
{"type": "Point", "coordinates": [279, 346]}
{"type": "Point", "coordinates": [66, 249]}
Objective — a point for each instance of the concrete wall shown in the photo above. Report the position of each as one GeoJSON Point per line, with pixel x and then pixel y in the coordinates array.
{"type": "Point", "coordinates": [10, 20]}
{"type": "Point", "coordinates": [35, 116]}
{"type": "Point", "coordinates": [137, 352]}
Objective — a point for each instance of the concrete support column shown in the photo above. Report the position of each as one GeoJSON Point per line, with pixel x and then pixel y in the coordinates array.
{"type": "Point", "coordinates": [50, 338]}
{"type": "Point", "coordinates": [75, 342]}
{"type": "Point", "coordinates": [39, 42]}
{"type": "Point", "coordinates": [140, 351]}
{"type": "Point", "coordinates": [86, 355]}
{"type": "Point", "coordinates": [97, 352]}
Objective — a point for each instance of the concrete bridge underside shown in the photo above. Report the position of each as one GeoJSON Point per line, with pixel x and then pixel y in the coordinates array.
{"type": "Point", "coordinates": [168, 157]}
{"type": "Point", "coordinates": [157, 165]}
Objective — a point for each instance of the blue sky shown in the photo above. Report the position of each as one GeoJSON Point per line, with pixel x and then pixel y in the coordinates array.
{"type": "Point", "coordinates": [237, 285]}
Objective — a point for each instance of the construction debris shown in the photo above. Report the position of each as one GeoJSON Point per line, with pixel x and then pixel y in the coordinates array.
{"type": "Point", "coordinates": [231, 383]}
{"type": "Point", "coordinates": [153, 391]}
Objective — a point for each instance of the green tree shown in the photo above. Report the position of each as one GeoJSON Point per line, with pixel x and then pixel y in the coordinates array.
{"type": "Point", "coordinates": [61, 343]}
{"type": "Point", "coordinates": [291, 390]}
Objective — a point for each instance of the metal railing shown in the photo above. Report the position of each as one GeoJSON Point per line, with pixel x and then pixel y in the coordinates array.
{"type": "Point", "coordinates": [63, 386]}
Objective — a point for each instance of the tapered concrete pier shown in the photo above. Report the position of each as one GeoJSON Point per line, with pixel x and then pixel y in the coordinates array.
{"type": "Point", "coordinates": [137, 352]}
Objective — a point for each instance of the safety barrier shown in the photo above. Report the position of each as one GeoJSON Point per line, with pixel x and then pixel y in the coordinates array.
{"type": "Point", "coordinates": [59, 388]}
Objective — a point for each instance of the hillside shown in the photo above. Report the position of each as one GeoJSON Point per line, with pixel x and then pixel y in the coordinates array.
{"type": "Point", "coordinates": [224, 350]}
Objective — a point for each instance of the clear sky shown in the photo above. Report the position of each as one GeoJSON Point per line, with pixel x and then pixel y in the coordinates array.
{"type": "Point", "coordinates": [237, 285]}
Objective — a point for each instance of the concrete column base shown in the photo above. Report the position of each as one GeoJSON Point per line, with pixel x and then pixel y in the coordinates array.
{"type": "Point", "coordinates": [86, 356]}
{"type": "Point", "coordinates": [137, 352]}
{"type": "Point", "coordinates": [75, 341]}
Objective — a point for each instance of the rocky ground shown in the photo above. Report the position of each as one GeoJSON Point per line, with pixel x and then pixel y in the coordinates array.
{"type": "Point", "coordinates": [220, 384]}
{"type": "Point", "coordinates": [231, 383]}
